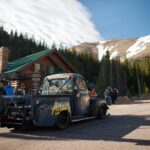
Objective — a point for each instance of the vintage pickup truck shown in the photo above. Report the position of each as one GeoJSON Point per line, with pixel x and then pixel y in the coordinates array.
{"type": "Point", "coordinates": [63, 98]}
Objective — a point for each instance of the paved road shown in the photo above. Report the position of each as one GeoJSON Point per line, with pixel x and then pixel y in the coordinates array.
{"type": "Point", "coordinates": [128, 128]}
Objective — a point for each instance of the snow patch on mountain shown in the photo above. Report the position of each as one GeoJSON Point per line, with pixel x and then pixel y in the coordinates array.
{"type": "Point", "coordinates": [101, 50]}
{"type": "Point", "coordinates": [114, 54]}
{"type": "Point", "coordinates": [138, 46]}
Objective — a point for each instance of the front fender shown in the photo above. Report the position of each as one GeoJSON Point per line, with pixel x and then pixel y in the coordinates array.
{"type": "Point", "coordinates": [57, 108]}
{"type": "Point", "coordinates": [96, 105]}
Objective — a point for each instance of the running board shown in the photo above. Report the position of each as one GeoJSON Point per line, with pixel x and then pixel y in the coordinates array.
{"type": "Point", "coordinates": [84, 118]}
{"type": "Point", "coordinates": [12, 123]}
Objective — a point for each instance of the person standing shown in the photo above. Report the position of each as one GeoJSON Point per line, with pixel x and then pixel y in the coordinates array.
{"type": "Point", "coordinates": [107, 95]}
{"type": "Point", "coordinates": [9, 89]}
{"type": "Point", "coordinates": [20, 89]}
{"type": "Point", "coordinates": [115, 93]}
{"type": "Point", "coordinates": [113, 96]}
{"type": "Point", "coordinates": [2, 90]}
{"type": "Point", "coordinates": [93, 93]}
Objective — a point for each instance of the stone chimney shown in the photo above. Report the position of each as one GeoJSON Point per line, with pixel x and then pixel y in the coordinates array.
{"type": "Point", "coordinates": [3, 59]}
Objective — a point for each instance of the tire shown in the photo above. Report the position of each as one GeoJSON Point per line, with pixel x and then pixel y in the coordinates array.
{"type": "Point", "coordinates": [63, 120]}
{"type": "Point", "coordinates": [17, 127]}
{"type": "Point", "coordinates": [102, 112]}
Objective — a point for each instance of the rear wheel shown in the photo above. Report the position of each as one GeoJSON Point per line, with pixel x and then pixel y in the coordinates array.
{"type": "Point", "coordinates": [63, 120]}
{"type": "Point", "coordinates": [102, 111]}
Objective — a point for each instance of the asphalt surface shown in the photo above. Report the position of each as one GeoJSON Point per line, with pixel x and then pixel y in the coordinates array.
{"type": "Point", "coordinates": [127, 128]}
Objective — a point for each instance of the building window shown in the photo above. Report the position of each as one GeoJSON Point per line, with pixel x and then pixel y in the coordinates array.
{"type": "Point", "coordinates": [37, 67]}
{"type": "Point", "coordinates": [51, 69]}
{"type": "Point", "coordinates": [57, 69]}
{"type": "Point", "coordinates": [42, 67]}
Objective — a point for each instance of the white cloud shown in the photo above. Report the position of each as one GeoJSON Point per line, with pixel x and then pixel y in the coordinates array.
{"type": "Point", "coordinates": [59, 21]}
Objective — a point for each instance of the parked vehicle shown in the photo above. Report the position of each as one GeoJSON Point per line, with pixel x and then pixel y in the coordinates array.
{"type": "Point", "coordinates": [63, 98]}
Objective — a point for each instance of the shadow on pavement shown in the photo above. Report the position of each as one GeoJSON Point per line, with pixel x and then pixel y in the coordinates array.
{"type": "Point", "coordinates": [133, 102]}
{"type": "Point", "coordinates": [113, 128]}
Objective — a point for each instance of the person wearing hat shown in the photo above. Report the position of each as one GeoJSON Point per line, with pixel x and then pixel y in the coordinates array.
{"type": "Point", "coordinates": [2, 90]}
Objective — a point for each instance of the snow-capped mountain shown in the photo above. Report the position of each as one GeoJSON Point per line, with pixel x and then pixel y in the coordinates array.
{"type": "Point", "coordinates": [122, 48]}
{"type": "Point", "coordinates": [125, 48]}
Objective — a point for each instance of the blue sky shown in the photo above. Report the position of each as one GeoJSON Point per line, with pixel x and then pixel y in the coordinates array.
{"type": "Point", "coordinates": [120, 18]}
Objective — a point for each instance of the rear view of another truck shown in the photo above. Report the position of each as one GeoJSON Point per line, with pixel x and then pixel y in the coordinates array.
{"type": "Point", "coordinates": [15, 111]}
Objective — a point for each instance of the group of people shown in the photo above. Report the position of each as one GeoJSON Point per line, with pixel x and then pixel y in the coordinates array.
{"type": "Point", "coordinates": [7, 89]}
{"type": "Point", "coordinates": [110, 95]}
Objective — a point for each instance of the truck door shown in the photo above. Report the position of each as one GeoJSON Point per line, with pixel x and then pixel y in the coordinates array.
{"type": "Point", "coordinates": [83, 97]}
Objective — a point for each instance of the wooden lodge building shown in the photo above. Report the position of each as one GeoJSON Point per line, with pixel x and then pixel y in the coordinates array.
{"type": "Point", "coordinates": [32, 69]}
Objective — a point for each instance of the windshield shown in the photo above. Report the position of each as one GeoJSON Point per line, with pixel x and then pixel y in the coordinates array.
{"type": "Point", "coordinates": [60, 85]}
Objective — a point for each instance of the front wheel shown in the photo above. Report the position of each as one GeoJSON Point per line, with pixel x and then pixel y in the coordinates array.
{"type": "Point", "coordinates": [63, 120]}
{"type": "Point", "coordinates": [102, 112]}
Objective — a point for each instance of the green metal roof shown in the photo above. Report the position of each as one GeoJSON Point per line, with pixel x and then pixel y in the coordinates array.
{"type": "Point", "coordinates": [17, 64]}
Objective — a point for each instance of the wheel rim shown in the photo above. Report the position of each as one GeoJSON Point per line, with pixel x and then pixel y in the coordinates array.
{"type": "Point", "coordinates": [102, 112]}
{"type": "Point", "coordinates": [63, 120]}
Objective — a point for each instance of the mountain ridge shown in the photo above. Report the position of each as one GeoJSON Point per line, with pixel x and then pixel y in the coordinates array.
{"type": "Point", "coordinates": [130, 48]}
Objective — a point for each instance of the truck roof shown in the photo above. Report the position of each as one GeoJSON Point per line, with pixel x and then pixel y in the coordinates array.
{"type": "Point", "coordinates": [63, 75]}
